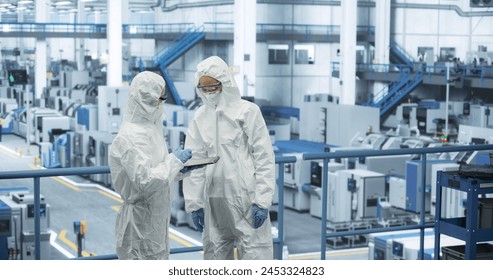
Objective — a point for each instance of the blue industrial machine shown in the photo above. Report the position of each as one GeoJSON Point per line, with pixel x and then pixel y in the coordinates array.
{"type": "Point", "coordinates": [59, 153]}
{"type": "Point", "coordinates": [414, 185]}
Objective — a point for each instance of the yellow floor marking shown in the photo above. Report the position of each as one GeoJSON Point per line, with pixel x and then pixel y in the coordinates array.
{"type": "Point", "coordinates": [180, 240]}
{"type": "Point", "coordinates": [110, 196]}
{"type": "Point", "coordinates": [32, 166]}
{"type": "Point", "coordinates": [65, 183]}
{"type": "Point", "coordinates": [116, 208]}
{"type": "Point", "coordinates": [72, 245]}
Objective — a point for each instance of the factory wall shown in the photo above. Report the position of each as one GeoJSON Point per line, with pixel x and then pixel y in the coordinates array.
{"type": "Point", "coordinates": [286, 84]}
{"type": "Point", "coordinates": [413, 28]}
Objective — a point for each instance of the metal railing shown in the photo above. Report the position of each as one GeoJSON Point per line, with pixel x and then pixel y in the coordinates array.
{"type": "Point", "coordinates": [365, 153]}
{"type": "Point", "coordinates": [38, 174]}
{"type": "Point", "coordinates": [33, 28]}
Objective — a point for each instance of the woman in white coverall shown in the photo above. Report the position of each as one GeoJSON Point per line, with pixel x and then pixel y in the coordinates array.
{"type": "Point", "coordinates": [237, 191]}
{"type": "Point", "coordinates": [142, 172]}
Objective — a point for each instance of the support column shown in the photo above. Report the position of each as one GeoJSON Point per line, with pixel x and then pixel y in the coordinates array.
{"type": "Point", "coordinates": [126, 56]}
{"type": "Point", "coordinates": [42, 15]}
{"type": "Point", "coordinates": [348, 52]}
{"type": "Point", "coordinates": [97, 20]}
{"type": "Point", "coordinates": [20, 40]}
{"type": "Point", "coordinates": [114, 37]}
{"type": "Point", "coordinates": [79, 42]}
{"type": "Point", "coordinates": [245, 41]}
{"type": "Point", "coordinates": [382, 38]}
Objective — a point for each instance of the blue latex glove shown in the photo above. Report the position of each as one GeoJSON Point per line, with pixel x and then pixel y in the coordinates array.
{"type": "Point", "coordinates": [259, 215]}
{"type": "Point", "coordinates": [183, 155]}
{"type": "Point", "coordinates": [198, 219]}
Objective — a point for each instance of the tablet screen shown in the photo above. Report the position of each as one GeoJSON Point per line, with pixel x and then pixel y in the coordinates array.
{"type": "Point", "coordinates": [202, 161]}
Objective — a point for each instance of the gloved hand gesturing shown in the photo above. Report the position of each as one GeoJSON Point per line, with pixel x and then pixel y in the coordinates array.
{"type": "Point", "coordinates": [198, 219]}
{"type": "Point", "coordinates": [259, 215]}
{"type": "Point", "coordinates": [183, 155]}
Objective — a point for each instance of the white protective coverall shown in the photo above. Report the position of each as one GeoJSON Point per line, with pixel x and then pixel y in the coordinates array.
{"type": "Point", "coordinates": [142, 172]}
{"type": "Point", "coordinates": [245, 173]}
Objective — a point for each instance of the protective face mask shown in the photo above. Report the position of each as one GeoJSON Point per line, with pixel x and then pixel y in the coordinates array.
{"type": "Point", "coordinates": [213, 97]}
{"type": "Point", "coordinates": [158, 114]}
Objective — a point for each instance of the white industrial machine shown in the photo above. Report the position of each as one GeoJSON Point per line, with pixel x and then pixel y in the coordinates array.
{"type": "Point", "coordinates": [17, 227]}
{"type": "Point", "coordinates": [296, 175]}
{"type": "Point", "coordinates": [408, 248]}
{"type": "Point", "coordinates": [112, 102]}
{"type": "Point", "coordinates": [380, 244]}
{"type": "Point", "coordinates": [316, 185]}
{"type": "Point", "coordinates": [354, 195]}
{"type": "Point", "coordinates": [453, 201]}
{"type": "Point", "coordinates": [98, 154]}
{"type": "Point", "coordinates": [327, 122]}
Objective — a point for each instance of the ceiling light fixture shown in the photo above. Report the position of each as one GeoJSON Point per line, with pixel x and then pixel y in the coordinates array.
{"type": "Point", "coordinates": [63, 3]}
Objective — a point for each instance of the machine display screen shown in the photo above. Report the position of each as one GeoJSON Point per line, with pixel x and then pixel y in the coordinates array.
{"type": "Point", "coordinates": [30, 210]}
{"type": "Point", "coordinates": [17, 77]}
{"type": "Point", "coordinates": [5, 227]}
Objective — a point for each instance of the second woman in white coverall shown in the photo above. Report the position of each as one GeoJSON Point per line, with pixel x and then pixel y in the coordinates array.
{"type": "Point", "coordinates": [142, 172]}
{"type": "Point", "coordinates": [230, 199]}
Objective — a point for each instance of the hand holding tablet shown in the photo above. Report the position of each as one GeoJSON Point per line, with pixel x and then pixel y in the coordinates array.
{"type": "Point", "coordinates": [192, 163]}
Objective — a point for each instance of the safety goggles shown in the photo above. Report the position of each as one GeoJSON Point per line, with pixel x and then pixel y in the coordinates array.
{"type": "Point", "coordinates": [209, 87]}
{"type": "Point", "coordinates": [163, 96]}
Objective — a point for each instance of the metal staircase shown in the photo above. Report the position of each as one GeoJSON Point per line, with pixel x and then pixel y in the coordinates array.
{"type": "Point", "coordinates": [399, 56]}
{"type": "Point", "coordinates": [172, 52]}
{"type": "Point", "coordinates": [399, 92]}
{"type": "Point", "coordinates": [394, 92]}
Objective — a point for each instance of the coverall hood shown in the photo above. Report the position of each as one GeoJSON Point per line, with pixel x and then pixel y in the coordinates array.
{"type": "Point", "coordinates": [216, 68]}
{"type": "Point", "coordinates": [145, 90]}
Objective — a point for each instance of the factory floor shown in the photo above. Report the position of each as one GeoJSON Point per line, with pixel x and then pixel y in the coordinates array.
{"type": "Point", "coordinates": [75, 198]}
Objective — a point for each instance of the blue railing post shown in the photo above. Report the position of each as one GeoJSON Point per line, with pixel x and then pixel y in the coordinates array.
{"type": "Point", "coordinates": [280, 161]}
{"type": "Point", "coordinates": [366, 153]}
{"type": "Point", "coordinates": [37, 223]}
{"type": "Point", "coordinates": [280, 210]}
{"type": "Point", "coordinates": [423, 207]}
{"type": "Point", "coordinates": [325, 191]}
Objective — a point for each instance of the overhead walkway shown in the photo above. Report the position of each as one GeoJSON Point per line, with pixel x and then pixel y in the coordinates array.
{"type": "Point", "coordinates": [404, 75]}
{"type": "Point", "coordinates": [170, 31]}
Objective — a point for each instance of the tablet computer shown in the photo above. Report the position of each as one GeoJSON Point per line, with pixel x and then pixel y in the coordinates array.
{"type": "Point", "coordinates": [202, 161]}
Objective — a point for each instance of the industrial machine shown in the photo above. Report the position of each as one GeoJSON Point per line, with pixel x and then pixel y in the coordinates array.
{"type": "Point", "coordinates": [296, 176]}
{"type": "Point", "coordinates": [17, 227]}
{"type": "Point", "coordinates": [408, 248]}
{"type": "Point", "coordinates": [353, 195]}
{"type": "Point", "coordinates": [380, 244]}
{"type": "Point", "coordinates": [112, 102]}
{"type": "Point", "coordinates": [389, 165]}
{"type": "Point", "coordinates": [411, 200]}
{"type": "Point", "coordinates": [315, 188]}
{"type": "Point", "coordinates": [98, 154]}
{"type": "Point", "coordinates": [327, 122]}
{"type": "Point", "coordinates": [453, 202]}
